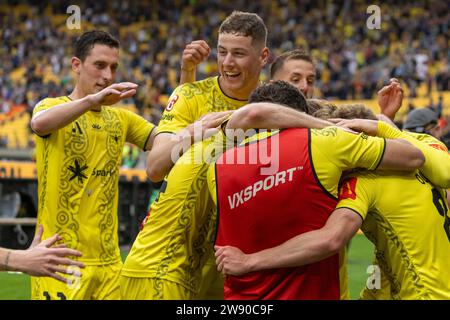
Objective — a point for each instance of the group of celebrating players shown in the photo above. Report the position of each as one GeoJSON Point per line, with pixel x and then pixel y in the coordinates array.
{"type": "Point", "coordinates": [231, 223]}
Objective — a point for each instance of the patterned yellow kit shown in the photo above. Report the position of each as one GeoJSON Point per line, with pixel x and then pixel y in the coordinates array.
{"type": "Point", "coordinates": [175, 242]}
{"type": "Point", "coordinates": [78, 186]}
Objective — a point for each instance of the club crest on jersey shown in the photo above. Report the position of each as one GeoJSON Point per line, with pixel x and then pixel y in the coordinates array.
{"type": "Point", "coordinates": [172, 103]}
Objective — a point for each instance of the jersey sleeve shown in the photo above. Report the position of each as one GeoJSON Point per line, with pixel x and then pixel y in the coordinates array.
{"type": "Point", "coordinates": [178, 113]}
{"type": "Point", "coordinates": [353, 195]}
{"type": "Point", "coordinates": [47, 103]}
{"type": "Point", "coordinates": [437, 158]}
{"type": "Point", "coordinates": [349, 150]}
{"type": "Point", "coordinates": [139, 129]}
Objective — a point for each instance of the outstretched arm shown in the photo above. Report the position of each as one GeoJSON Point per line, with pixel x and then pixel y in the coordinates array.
{"type": "Point", "coordinates": [41, 259]}
{"type": "Point", "coordinates": [266, 115]}
{"type": "Point", "coordinates": [167, 147]}
{"type": "Point", "coordinates": [303, 249]}
{"type": "Point", "coordinates": [50, 120]}
{"type": "Point", "coordinates": [437, 159]}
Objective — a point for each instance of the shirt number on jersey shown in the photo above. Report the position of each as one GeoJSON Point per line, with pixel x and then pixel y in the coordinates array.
{"type": "Point", "coordinates": [441, 206]}
{"type": "Point", "coordinates": [172, 102]}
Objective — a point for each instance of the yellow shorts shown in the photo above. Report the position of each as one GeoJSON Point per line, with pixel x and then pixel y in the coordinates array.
{"type": "Point", "coordinates": [211, 286]}
{"type": "Point", "coordinates": [152, 289]}
{"type": "Point", "coordinates": [96, 283]}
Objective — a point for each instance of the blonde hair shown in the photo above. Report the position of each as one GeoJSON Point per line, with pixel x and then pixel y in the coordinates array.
{"type": "Point", "coordinates": [354, 111]}
{"type": "Point", "coordinates": [325, 110]}
{"type": "Point", "coordinates": [320, 108]}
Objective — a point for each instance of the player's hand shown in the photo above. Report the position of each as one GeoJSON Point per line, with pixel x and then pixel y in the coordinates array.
{"type": "Point", "coordinates": [370, 127]}
{"type": "Point", "coordinates": [390, 98]}
{"type": "Point", "coordinates": [113, 94]}
{"type": "Point", "coordinates": [231, 261]}
{"type": "Point", "coordinates": [193, 54]}
{"type": "Point", "coordinates": [208, 125]}
{"type": "Point", "coordinates": [46, 258]}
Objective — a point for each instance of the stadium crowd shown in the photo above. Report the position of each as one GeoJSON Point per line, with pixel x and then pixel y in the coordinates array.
{"type": "Point", "coordinates": [352, 61]}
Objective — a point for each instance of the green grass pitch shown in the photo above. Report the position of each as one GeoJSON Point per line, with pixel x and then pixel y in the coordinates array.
{"type": "Point", "coordinates": [16, 286]}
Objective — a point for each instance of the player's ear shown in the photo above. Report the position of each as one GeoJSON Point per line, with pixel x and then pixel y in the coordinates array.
{"type": "Point", "coordinates": [264, 56]}
{"type": "Point", "coordinates": [76, 65]}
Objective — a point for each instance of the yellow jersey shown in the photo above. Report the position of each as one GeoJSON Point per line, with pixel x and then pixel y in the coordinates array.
{"type": "Point", "coordinates": [190, 101]}
{"type": "Point", "coordinates": [176, 238]}
{"type": "Point", "coordinates": [437, 158]}
{"type": "Point", "coordinates": [435, 168]}
{"type": "Point", "coordinates": [407, 219]}
{"type": "Point", "coordinates": [78, 173]}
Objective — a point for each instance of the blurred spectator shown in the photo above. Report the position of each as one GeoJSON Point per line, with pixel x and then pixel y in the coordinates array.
{"type": "Point", "coordinates": [130, 156]}
{"type": "Point", "coordinates": [3, 141]}
{"type": "Point", "coordinates": [423, 120]}
{"type": "Point", "coordinates": [412, 43]}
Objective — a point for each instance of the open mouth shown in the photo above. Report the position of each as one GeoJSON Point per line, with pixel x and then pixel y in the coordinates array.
{"type": "Point", "coordinates": [232, 75]}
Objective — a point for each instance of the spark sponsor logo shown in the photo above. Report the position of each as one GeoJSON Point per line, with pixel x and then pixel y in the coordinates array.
{"type": "Point", "coordinates": [168, 117]}
{"type": "Point", "coordinates": [268, 183]}
{"type": "Point", "coordinates": [102, 173]}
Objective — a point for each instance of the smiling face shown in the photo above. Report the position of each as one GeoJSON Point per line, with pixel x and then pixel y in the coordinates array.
{"type": "Point", "coordinates": [299, 73]}
{"type": "Point", "coordinates": [98, 70]}
{"type": "Point", "coordinates": [240, 63]}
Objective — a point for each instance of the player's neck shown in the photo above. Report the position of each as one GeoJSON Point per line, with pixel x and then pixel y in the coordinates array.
{"type": "Point", "coordinates": [77, 93]}
{"type": "Point", "coordinates": [237, 95]}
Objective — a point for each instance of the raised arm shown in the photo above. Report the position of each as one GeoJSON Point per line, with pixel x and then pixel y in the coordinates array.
{"type": "Point", "coordinates": [193, 54]}
{"type": "Point", "coordinates": [390, 99]}
{"type": "Point", "coordinates": [303, 249]}
{"type": "Point", "coordinates": [47, 121]}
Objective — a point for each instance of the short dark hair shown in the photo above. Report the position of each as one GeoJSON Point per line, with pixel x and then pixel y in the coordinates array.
{"type": "Point", "coordinates": [245, 24]}
{"type": "Point", "coordinates": [296, 54]}
{"type": "Point", "coordinates": [87, 40]}
{"type": "Point", "coordinates": [280, 92]}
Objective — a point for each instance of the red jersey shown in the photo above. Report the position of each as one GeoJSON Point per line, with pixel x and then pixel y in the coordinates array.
{"type": "Point", "coordinates": [250, 216]}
